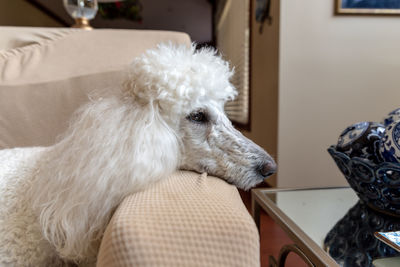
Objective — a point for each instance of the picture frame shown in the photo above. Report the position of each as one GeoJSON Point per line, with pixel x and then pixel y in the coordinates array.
{"type": "Point", "coordinates": [367, 7]}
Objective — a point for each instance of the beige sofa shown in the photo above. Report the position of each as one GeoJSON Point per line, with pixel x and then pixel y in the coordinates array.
{"type": "Point", "coordinates": [188, 219]}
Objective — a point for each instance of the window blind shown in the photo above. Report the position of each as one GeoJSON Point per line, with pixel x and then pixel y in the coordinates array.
{"type": "Point", "coordinates": [233, 41]}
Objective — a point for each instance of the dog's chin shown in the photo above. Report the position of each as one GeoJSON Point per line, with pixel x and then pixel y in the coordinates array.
{"type": "Point", "coordinates": [251, 182]}
{"type": "Point", "coordinates": [245, 182]}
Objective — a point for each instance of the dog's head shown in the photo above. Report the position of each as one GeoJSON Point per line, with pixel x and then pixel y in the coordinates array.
{"type": "Point", "coordinates": [189, 88]}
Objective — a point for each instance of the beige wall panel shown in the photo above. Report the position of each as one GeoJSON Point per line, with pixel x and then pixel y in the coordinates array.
{"type": "Point", "coordinates": [264, 84]}
{"type": "Point", "coordinates": [334, 71]}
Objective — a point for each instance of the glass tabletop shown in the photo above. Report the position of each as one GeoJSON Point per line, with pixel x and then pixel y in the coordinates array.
{"type": "Point", "coordinates": [315, 211]}
{"type": "Point", "coordinates": [337, 222]}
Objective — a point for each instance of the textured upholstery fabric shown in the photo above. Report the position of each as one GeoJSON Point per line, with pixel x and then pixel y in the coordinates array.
{"type": "Point", "coordinates": [46, 74]}
{"type": "Point", "coordinates": [186, 220]}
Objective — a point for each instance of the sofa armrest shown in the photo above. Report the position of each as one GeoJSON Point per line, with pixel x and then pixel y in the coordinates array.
{"type": "Point", "coordinates": [187, 219]}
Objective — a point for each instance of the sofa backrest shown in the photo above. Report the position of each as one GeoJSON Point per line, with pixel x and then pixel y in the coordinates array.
{"type": "Point", "coordinates": [46, 74]}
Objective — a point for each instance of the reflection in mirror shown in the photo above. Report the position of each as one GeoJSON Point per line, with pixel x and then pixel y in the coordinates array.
{"type": "Point", "coordinates": [351, 242]}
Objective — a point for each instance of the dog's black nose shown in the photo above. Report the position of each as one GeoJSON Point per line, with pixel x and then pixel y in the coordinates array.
{"type": "Point", "coordinates": [267, 169]}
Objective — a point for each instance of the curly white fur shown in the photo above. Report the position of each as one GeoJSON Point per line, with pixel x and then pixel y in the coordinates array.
{"type": "Point", "coordinates": [167, 115]}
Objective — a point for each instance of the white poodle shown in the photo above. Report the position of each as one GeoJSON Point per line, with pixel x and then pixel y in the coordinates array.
{"type": "Point", "coordinates": [168, 115]}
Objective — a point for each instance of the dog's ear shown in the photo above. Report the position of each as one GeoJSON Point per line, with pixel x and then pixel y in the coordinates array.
{"type": "Point", "coordinates": [111, 149]}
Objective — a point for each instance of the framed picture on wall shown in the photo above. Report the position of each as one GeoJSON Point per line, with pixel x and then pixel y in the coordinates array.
{"type": "Point", "coordinates": [368, 7]}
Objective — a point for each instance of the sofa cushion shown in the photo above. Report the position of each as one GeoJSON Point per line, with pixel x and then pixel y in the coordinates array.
{"type": "Point", "coordinates": [48, 74]}
{"type": "Point", "coordinates": [35, 114]}
{"type": "Point", "coordinates": [188, 219]}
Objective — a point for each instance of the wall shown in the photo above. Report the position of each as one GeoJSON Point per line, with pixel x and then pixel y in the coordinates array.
{"type": "Point", "coordinates": [264, 83]}
{"type": "Point", "coordinates": [21, 13]}
{"type": "Point", "coordinates": [190, 16]}
{"type": "Point", "coordinates": [334, 71]}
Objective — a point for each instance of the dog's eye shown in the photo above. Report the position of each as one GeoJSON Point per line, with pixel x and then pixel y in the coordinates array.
{"type": "Point", "coordinates": [199, 117]}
